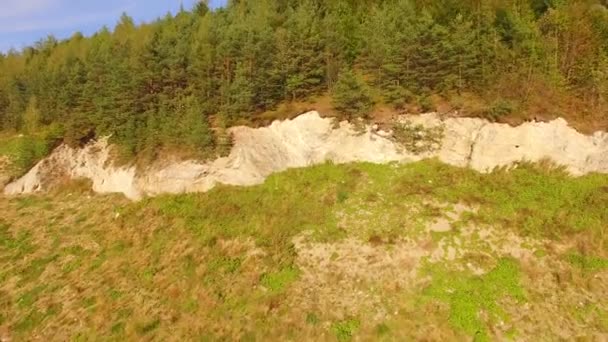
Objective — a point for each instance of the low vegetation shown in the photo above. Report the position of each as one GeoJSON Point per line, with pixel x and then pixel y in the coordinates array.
{"type": "Point", "coordinates": [468, 296]}
{"type": "Point", "coordinates": [280, 260]}
{"type": "Point", "coordinates": [418, 139]}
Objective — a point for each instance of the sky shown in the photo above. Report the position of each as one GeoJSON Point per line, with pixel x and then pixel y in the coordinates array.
{"type": "Point", "coordinates": [23, 22]}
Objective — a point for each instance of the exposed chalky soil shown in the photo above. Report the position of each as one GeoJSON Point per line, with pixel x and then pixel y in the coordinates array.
{"type": "Point", "coordinates": [353, 252]}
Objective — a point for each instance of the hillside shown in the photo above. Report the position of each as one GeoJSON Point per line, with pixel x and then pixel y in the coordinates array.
{"type": "Point", "coordinates": [422, 251]}
{"type": "Point", "coordinates": [310, 170]}
{"type": "Point", "coordinates": [405, 250]}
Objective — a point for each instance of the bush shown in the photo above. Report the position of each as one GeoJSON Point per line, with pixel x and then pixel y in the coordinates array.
{"type": "Point", "coordinates": [500, 109]}
{"type": "Point", "coordinates": [426, 104]}
{"type": "Point", "coordinates": [351, 96]}
{"type": "Point", "coordinates": [398, 96]}
{"type": "Point", "coordinates": [79, 130]}
{"type": "Point", "coordinates": [417, 138]}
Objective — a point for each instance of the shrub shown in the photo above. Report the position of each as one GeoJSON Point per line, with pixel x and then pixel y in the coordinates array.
{"type": "Point", "coordinates": [29, 151]}
{"type": "Point", "coordinates": [79, 130]}
{"type": "Point", "coordinates": [398, 96]}
{"type": "Point", "coordinates": [500, 109]}
{"type": "Point", "coordinates": [426, 104]}
{"type": "Point", "coordinates": [417, 138]}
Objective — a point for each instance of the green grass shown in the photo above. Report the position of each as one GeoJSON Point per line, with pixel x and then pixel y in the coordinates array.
{"type": "Point", "coordinates": [24, 151]}
{"type": "Point", "coordinates": [587, 263]}
{"type": "Point", "coordinates": [469, 297]}
{"type": "Point", "coordinates": [278, 281]}
{"type": "Point", "coordinates": [531, 200]}
{"type": "Point", "coordinates": [222, 265]}
{"type": "Point", "coordinates": [345, 330]}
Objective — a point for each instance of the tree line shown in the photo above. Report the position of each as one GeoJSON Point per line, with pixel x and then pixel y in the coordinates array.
{"type": "Point", "coordinates": [177, 81]}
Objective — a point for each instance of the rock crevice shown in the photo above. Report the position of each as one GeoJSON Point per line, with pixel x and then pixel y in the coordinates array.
{"type": "Point", "coordinates": [474, 142]}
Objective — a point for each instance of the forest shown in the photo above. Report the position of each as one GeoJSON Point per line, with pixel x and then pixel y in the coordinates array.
{"type": "Point", "coordinates": [180, 81]}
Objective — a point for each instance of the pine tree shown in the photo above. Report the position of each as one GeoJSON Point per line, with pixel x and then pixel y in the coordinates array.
{"type": "Point", "coordinates": [32, 116]}
{"type": "Point", "coordinates": [464, 61]}
{"type": "Point", "coordinates": [304, 72]}
{"type": "Point", "coordinates": [351, 96]}
{"type": "Point", "coordinates": [240, 95]}
{"type": "Point", "coordinates": [389, 35]}
{"type": "Point", "coordinates": [194, 128]}
{"type": "Point", "coordinates": [429, 61]}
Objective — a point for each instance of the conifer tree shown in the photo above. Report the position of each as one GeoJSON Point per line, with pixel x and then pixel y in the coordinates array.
{"type": "Point", "coordinates": [147, 85]}
{"type": "Point", "coordinates": [31, 117]}
{"type": "Point", "coordinates": [351, 96]}
{"type": "Point", "coordinates": [240, 94]}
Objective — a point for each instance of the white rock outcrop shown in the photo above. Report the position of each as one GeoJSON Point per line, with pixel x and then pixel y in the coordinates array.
{"type": "Point", "coordinates": [310, 139]}
{"type": "Point", "coordinates": [483, 146]}
{"type": "Point", "coordinates": [257, 153]}
{"type": "Point", "coordinates": [90, 162]}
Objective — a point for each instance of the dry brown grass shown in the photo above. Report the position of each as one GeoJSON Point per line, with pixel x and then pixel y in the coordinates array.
{"type": "Point", "coordinates": [225, 265]}
{"type": "Point", "coordinates": [291, 109]}
{"type": "Point", "coordinates": [540, 104]}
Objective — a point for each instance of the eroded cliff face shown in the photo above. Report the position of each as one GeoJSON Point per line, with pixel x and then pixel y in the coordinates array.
{"type": "Point", "coordinates": [483, 146]}
{"type": "Point", "coordinates": [90, 162]}
{"type": "Point", "coordinates": [310, 139]}
{"type": "Point", "coordinates": [257, 153]}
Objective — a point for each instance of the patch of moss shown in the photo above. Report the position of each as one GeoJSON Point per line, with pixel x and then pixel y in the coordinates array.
{"type": "Point", "coordinates": [278, 281]}
{"type": "Point", "coordinates": [471, 297]}
{"type": "Point", "coordinates": [30, 297]}
{"type": "Point", "coordinates": [36, 267]}
{"type": "Point", "coordinates": [382, 329]}
{"type": "Point", "coordinates": [33, 319]}
{"type": "Point", "coordinates": [346, 329]}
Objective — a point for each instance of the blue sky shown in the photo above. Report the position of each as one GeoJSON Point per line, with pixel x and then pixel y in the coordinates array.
{"type": "Point", "coordinates": [23, 22]}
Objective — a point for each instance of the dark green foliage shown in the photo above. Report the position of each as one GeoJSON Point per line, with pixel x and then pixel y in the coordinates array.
{"type": "Point", "coordinates": [351, 96]}
{"type": "Point", "coordinates": [418, 139]}
{"type": "Point", "coordinates": [239, 95]}
{"type": "Point", "coordinates": [163, 84]}
{"type": "Point", "coordinates": [499, 109]}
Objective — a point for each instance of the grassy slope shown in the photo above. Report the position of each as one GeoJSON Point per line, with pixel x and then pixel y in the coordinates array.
{"type": "Point", "coordinates": [224, 265]}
